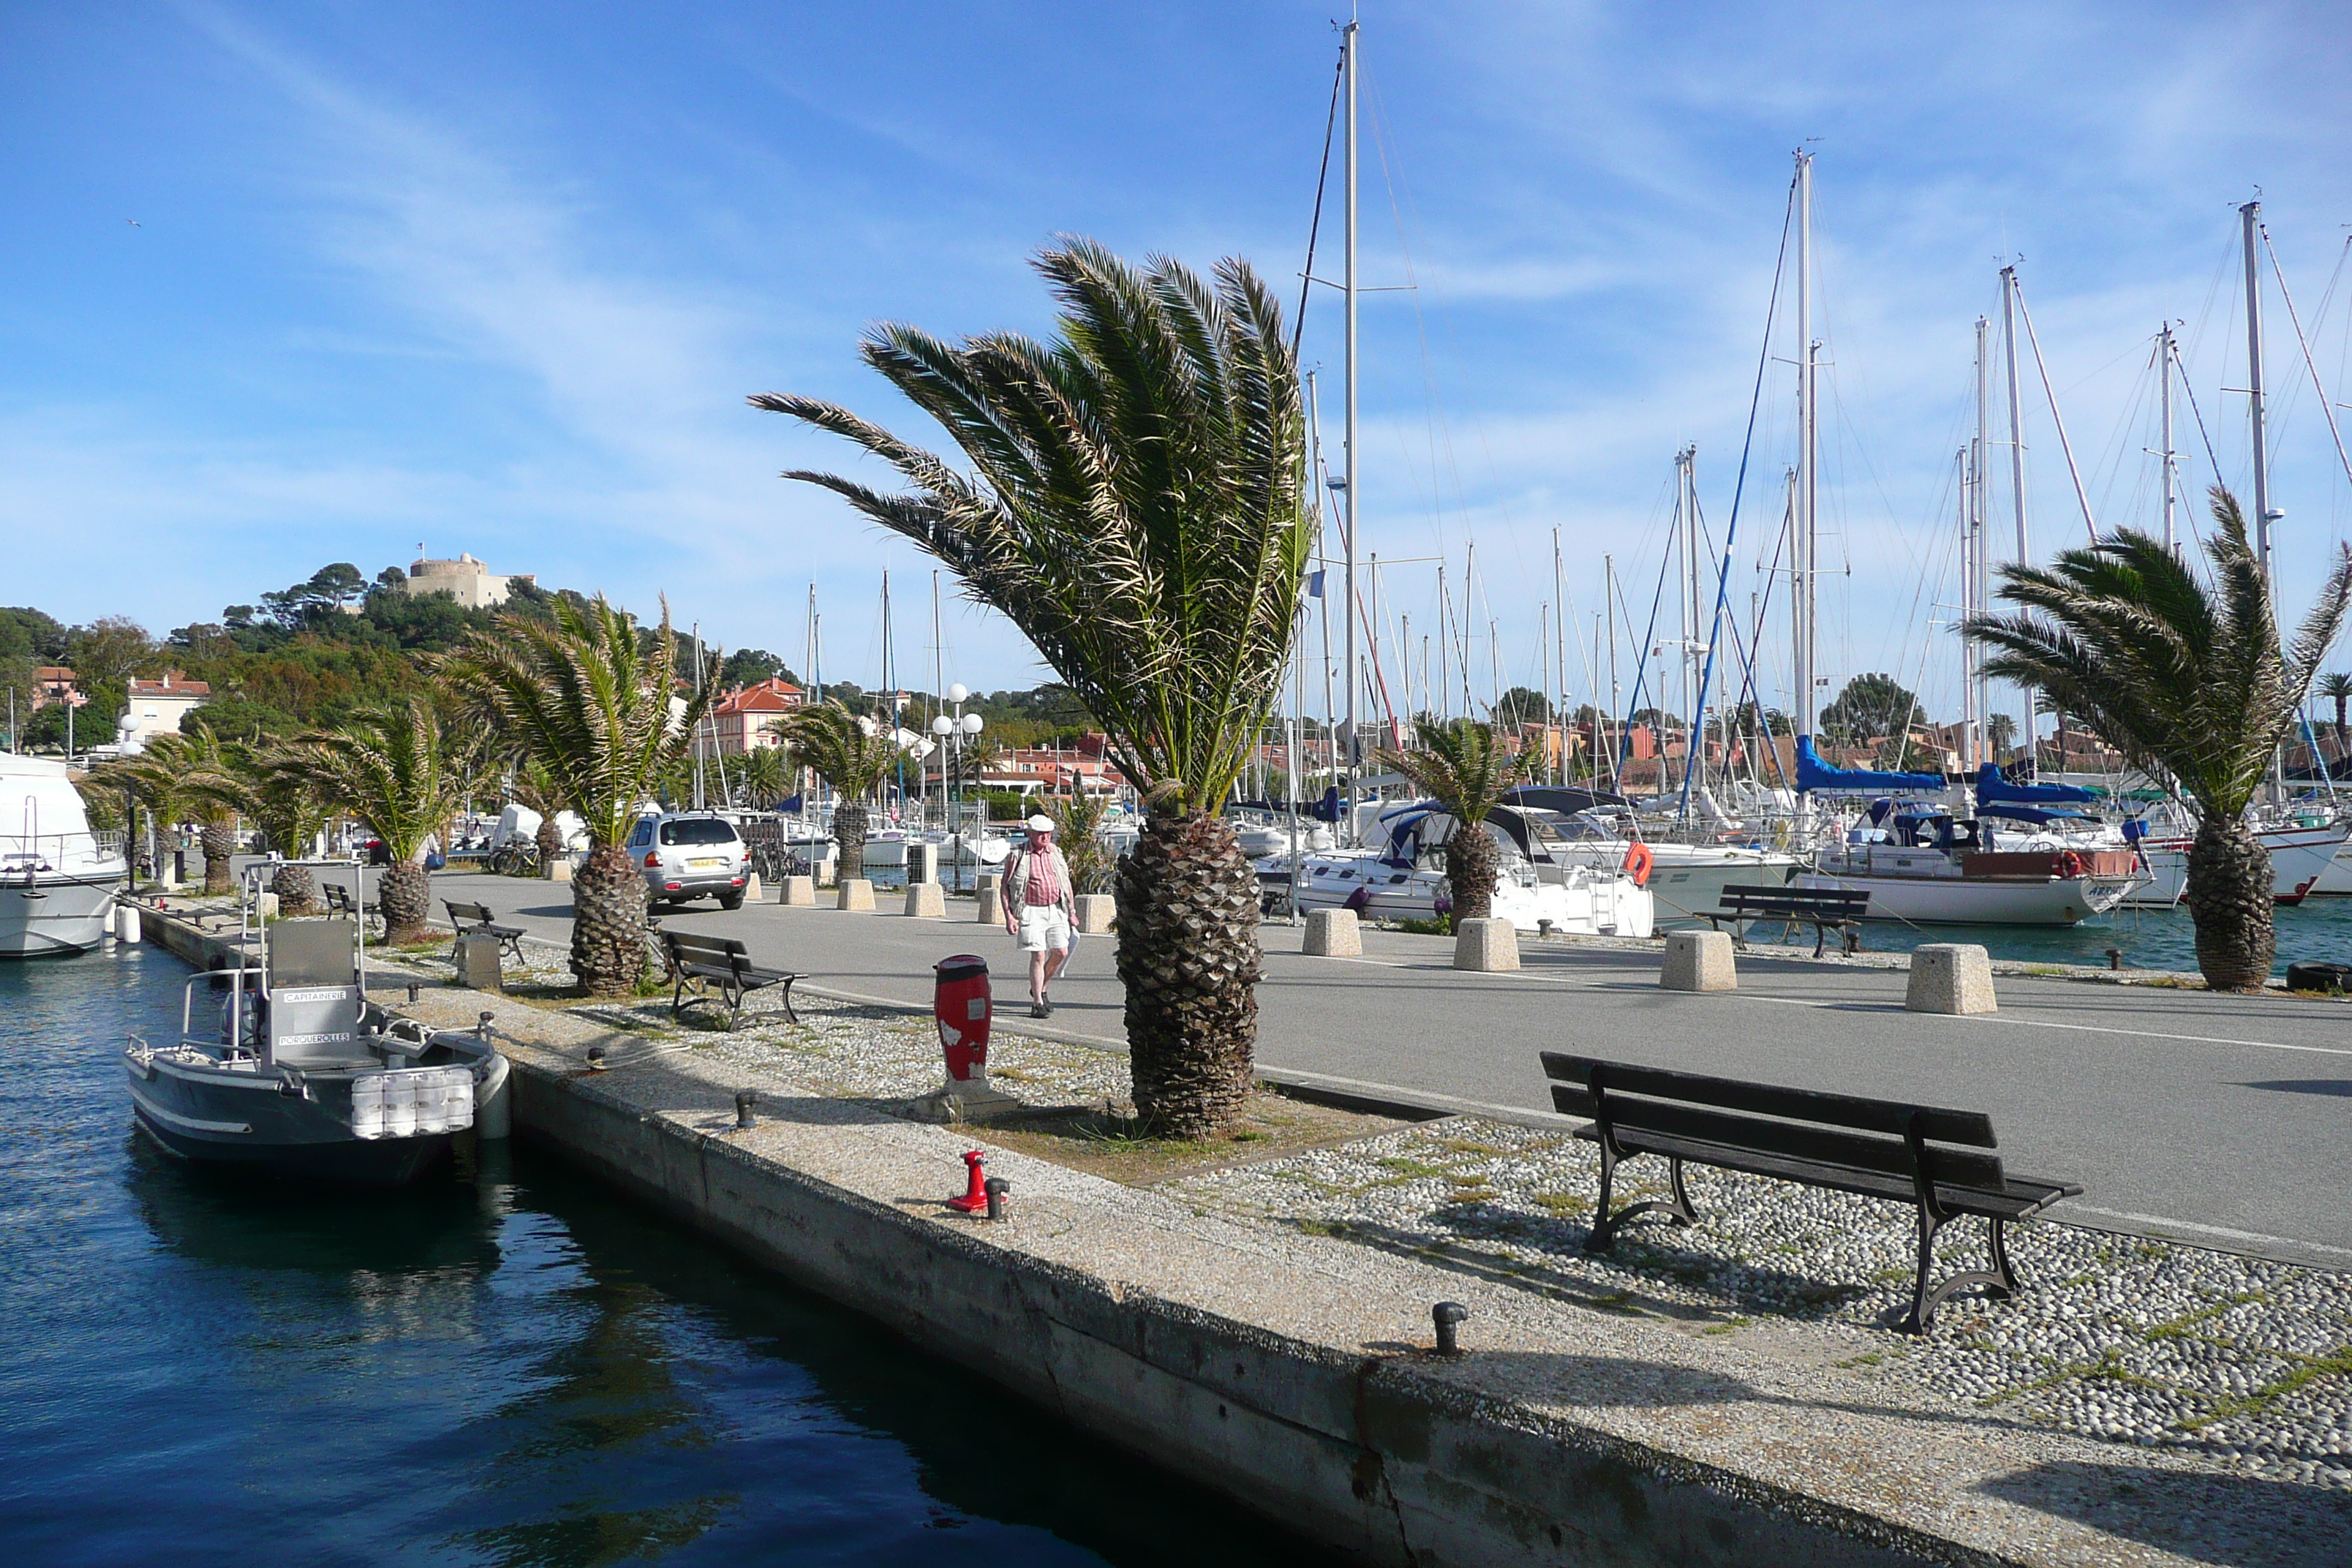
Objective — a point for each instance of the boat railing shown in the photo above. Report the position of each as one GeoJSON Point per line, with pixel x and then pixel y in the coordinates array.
{"type": "Point", "coordinates": [36, 851]}
{"type": "Point", "coordinates": [235, 1013]}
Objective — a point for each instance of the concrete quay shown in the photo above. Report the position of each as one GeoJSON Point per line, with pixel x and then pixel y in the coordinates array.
{"type": "Point", "coordinates": [1297, 1374]}
{"type": "Point", "coordinates": [2212, 1120]}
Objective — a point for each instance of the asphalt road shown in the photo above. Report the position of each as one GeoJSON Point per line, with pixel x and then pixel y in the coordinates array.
{"type": "Point", "coordinates": [2224, 1120]}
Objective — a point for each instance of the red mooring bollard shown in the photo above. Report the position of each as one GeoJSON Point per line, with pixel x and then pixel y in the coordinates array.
{"type": "Point", "coordinates": [962, 1003]}
{"type": "Point", "coordinates": [975, 1196]}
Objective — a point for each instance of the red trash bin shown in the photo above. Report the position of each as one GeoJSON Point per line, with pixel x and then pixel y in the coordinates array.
{"type": "Point", "coordinates": [962, 1003]}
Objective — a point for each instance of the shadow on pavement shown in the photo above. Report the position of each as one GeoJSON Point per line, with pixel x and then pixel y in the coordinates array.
{"type": "Point", "coordinates": [2205, 1517]}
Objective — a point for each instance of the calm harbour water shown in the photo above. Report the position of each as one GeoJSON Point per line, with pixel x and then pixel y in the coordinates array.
{"type": "Point", "coordinates": [2317, 929]}
{"type": "Point", "coordinates": [507, 1365]}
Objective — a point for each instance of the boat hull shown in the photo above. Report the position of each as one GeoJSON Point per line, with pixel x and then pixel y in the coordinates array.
{"type": "Point", "coordinates": [1977, 900]}
{"type": "Point", "coordinates": [55, 917]}
{"type": "Point", "coordinates": [240, 1118]}
{"type": "Point", "coordinates": [2306, 862]}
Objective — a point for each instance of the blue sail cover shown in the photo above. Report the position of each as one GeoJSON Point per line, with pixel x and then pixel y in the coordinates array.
{"type": "Point", "coordinates": [1991, 787]}
{"type": "Point", "coordinates": [2038, 816]}
{"type": "Point", "coordinates": [1812, 773]}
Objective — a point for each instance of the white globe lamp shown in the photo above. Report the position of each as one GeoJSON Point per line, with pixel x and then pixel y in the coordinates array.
{"type": "Point", "coordinates": [958, 692]}
{"type": "Point", "coordinates": [973, 724]}
{"type": "Point", "coordinates": [942, 725]}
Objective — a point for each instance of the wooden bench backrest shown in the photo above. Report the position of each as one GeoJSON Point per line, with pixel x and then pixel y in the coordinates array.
{"type": "Point", "coordinates": [1829, 900]}
{"type": "Point", "coordinates": [704, 948]}
{"type": "Point", "coordinates": [1880, 1135]}
{"type": "Point", "coordinates": [468, 911]}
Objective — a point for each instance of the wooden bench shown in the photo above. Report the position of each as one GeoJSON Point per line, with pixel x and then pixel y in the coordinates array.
{"type": "Point", "coordinates": [474, 920]}
{"type": "Point", "coordinates": [1823, 909]}
{"type": "Point", "coordinates": [339, 902]}
{"type": "Point", "coordinates": [1934, 1159]}
{"type": "Point", "coordinates": [699, 961]}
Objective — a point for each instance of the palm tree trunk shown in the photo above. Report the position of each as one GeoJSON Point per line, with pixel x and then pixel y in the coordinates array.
{"type": "Point", "coordinates": [608, 922]}
{"type": "Point", "coordinates": [405, 898]}
{"type": "Point", "coordinates": [296, 890]}
{"type": "Point", "coordinates": [550, 839]}
{"type": "Point", "coordinates": [1188, 959]}
{"type": "Point", "coordinates": [849, 832]}
{"type": "Point", "coordinates": [218, 840]}
{"type": "Point", "coordinates": [2230, 901]}
{"type": "Point", "coordinates": [1470, 859]}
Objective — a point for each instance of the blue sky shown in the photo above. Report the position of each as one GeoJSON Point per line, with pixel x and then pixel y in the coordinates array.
{"type": "Point", "coordinates": [497, 279]}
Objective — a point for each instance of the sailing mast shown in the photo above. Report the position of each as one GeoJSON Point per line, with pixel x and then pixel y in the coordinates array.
{"type": "Point", "coordinates": [1348, 602]}
{"type": "Point", "coordinates": [1979, 692]}
{"type": "Point", "coordinates": [1801, 554]}
{"type": "Point", "coordinates": [2017, 478]}
{"type": "Point", "coordinates": [2250, 215]}
{"type": "Point", "coordinates": [2169, 458]}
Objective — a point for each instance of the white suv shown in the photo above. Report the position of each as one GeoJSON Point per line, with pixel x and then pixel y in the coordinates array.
{"type": "Point", "coordinates": [686, 856]}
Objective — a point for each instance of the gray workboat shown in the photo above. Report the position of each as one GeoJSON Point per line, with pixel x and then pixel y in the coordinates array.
{"type": "Point", "coordinates": [289, 1069]}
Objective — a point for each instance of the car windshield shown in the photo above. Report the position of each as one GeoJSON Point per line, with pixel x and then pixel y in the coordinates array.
{"type": "Point", "coordinates": [698, 830]}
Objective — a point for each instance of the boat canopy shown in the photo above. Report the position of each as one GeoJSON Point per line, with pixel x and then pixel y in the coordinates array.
{"type": "Point", "coordinates": [1561, 799]}
{"type": "Point", "coordinates": [1991, 787]}
{"type": "Point", "coordinates": [2039, 815]}
{"type": "Point", "coordinates": [1403, 824]}
{"type": "Point", "coordinates": [1814, 774]}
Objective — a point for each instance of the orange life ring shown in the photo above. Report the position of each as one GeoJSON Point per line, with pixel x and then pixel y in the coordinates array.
{"type": "Point", "coordinates": [2070, 865]}
{"type": "Point", "coordinates": [1638, 860]}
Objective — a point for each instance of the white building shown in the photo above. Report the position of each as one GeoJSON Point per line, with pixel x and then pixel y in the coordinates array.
{"type": "Point", "coordinates": [466, 580]}
{"type": "Point", "coordinates": [156, 707]}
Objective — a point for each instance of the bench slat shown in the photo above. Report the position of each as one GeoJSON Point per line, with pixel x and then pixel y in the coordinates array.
{"type": "Point", "coordinates": [1817, 1146]}
{"type": "Point", "coordinates": [2015, 1199]}
{"type": "Point", "coordinates": [1971, 1127]}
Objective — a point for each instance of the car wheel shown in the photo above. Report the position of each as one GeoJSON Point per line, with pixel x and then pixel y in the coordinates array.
{"type": "Point", "coordinates": [733, 901]}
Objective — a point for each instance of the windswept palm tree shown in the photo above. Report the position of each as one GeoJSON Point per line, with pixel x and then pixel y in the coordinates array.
{"type": "Point", "coordinates": [186, 775]}
{"type": "Point", "coordinates": [763, 775]}
{"type": "Point", "coordinates": [1077, 829]}
{"type": "Point", "coordinates": [278, 788]}
{"type": "Point", "coordinates": [1464, 768]}
{"type": "Point", "coordinates": [591, 702]}
{"type": "Point", "coordinates": [852, 755]}
{"type": "Point", "coordinates": [1134, 506]}
{"type": "Point", "coordinates": [2187, 683]}
{"type": "Point", "coordinates": [394, 770]}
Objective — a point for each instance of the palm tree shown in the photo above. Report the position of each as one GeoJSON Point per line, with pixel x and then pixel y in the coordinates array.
{"type": "Point", "coordinates": [1077, 829]}
{"type": "Point", "coordinates": [2187, 683]}
{"type": "Point", "coordinates": [1136, 508]}
{"type": "Point", "coordinates": [1465, 769]}
{"type": "Point", "coordinates": [187, 775]}
{"type": "Point", "coordinates": [393, 769]}
{"type": "Point", "coordinates": [591, 702]}
{"type": "Point", "coordinates": [2000, 730]}
{"type": "Point", "coordinates": [2336, 687]}
{"type": "Point", "coordinates": [277, 788]}
{"type": "Point", "coordinates": [763, 775]}
{"type": "Point", "coordinates": [852, 755]}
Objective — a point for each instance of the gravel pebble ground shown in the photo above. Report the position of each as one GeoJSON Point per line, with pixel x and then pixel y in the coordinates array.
{"type": "Point", "coordinates": [2115, 1337]}
{"type": "Point", "coordinates": [2244, 1362]}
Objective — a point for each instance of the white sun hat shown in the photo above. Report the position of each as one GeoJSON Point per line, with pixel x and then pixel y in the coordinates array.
{"type": "Point", "coordinates": [1040, 823]}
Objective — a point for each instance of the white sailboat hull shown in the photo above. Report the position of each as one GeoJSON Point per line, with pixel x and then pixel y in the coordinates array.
{"type": "Point", "coordinates": [54, 916]}
{"type": "Point", "coordinates": [2305, 862]}
{"type": "Point", "coordinates": [1378, 890]}
{"type": "Point", "coordinates": [1686, 879]}
{"type": "Point", "coordinates": [1978, 901]}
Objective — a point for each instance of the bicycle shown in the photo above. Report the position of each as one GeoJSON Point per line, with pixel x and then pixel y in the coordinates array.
{"type": "Point", "coordinates": [516, 857]}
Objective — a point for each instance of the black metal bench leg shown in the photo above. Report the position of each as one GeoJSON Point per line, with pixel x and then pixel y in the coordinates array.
{"type": "Point", "coordinates": [2009, 1285]}
{"type": "Point", "coordinates": [1821, 937]}
{"type": "Point", "coordinates": [734, 994]}
{"type": "Point", "coordinates": [1922, 1307]}
{"type": "Point", "coordinates": [790, 1016]}
{"type": "Point", "coordinates": [1925, 1300]}
{"type": "Point", "coordinates": [678, 994]}
{"type": "Point", "coordinates": [1603, 1231]}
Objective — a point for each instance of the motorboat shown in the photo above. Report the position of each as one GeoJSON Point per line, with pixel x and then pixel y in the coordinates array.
{"type": "Point", "coordinates": [1537, 887]}
{"type": "Point", "coordinates": [58, 878]}
{"type": "Point", "coordinates": [296, 1074]}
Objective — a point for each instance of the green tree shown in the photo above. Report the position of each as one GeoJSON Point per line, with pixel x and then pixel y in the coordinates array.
{"type": "Point", "coordinates": [279, 790]}
{"type": "Point", "coordinates": [2187, 683]}
{"type": "Point", "coordinates": [1872, 707]}
{"type": "Point", "coordinates": [2336, 687]}
{"type": "Point", "coordinates": [1077, 829]}
{"type": "Point", "coordinates": [1465, 767]}
{"type": "Point", "coordinates": [582, 695]}
{"type": "Point", "coordinates": [394, 770]}
{"type": "Point", "coordinates": [1134, 507]}
{"type": "Point", "coordinates": [187, 776]}
{"type": "Point", "coordinates": [2000, 732]}
{"type": "Point", "coordinates": [852, 758]}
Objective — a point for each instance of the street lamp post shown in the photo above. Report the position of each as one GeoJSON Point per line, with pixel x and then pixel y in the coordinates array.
{"type": "Point", "coordinates": [952, 733]}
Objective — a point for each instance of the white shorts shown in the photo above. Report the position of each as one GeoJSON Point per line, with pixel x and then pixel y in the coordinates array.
{"type": "Point", "coordinates": [1045, 928]}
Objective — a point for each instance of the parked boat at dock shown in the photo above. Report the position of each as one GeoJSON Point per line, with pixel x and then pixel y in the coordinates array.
{"type": "Point", "coordinates": [58, 878]}
{"type": "Point", "coordinates": [301, 1077]}
{"type": "Point", "coordinates": [1535, 888]}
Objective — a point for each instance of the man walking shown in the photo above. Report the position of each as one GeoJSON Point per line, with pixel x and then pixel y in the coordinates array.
{"type": "Point", "coordinates": [1037, 908]}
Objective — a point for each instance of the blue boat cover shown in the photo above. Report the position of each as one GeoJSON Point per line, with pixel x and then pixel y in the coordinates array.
{"type": "Point", "coordinates": [1812, 773]}
{"type": "Point", "coordinates": [2038, 816]}
{"type": "Point", "coordinates": [1991, 787]}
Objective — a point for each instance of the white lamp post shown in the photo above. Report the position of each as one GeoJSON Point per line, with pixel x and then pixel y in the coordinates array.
{"type": "Point", "coordinates": [952, 732]}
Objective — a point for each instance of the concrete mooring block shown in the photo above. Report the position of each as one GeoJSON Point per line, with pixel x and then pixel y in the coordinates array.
{"type": "Point", "coordinates": [265, 906]}
{"type": "Point", "coordinates": [558, 869]}
{"type": "Point", "coordinates": [1095, 912]}
{"type": "Point", "coordinates": [991, 902]}
{"type": "Point", "coordinates": [1489, 944]}
{"type": "Point", "coordinates": [800, 890]}
{"type": "Point", "coordinates": [1698, 961]}
{"type": "Point", "coordinates": [927, 900]}
{"type": "Point", "coordinates": [1950, 977]}
{"type": "Point", "coordinates": [752, 892]}
{"type": "Point", "coordinates": [477, 964]}
{"type": "Point", "coordinates": [1334, 934]}
{"type": "Point", "coordinates": [856, 894]}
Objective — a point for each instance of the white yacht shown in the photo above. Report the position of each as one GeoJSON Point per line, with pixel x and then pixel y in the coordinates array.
{"type": "Point", "coordinates": [58, 878]}
{"type": "Point", "coordinates": [1537, 888]}
{"type": "Point", "coordinates": [1684, 876]}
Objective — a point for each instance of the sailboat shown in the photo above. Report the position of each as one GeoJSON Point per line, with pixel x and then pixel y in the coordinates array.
{"type": "Point", "coordinates": [1921, 862]}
